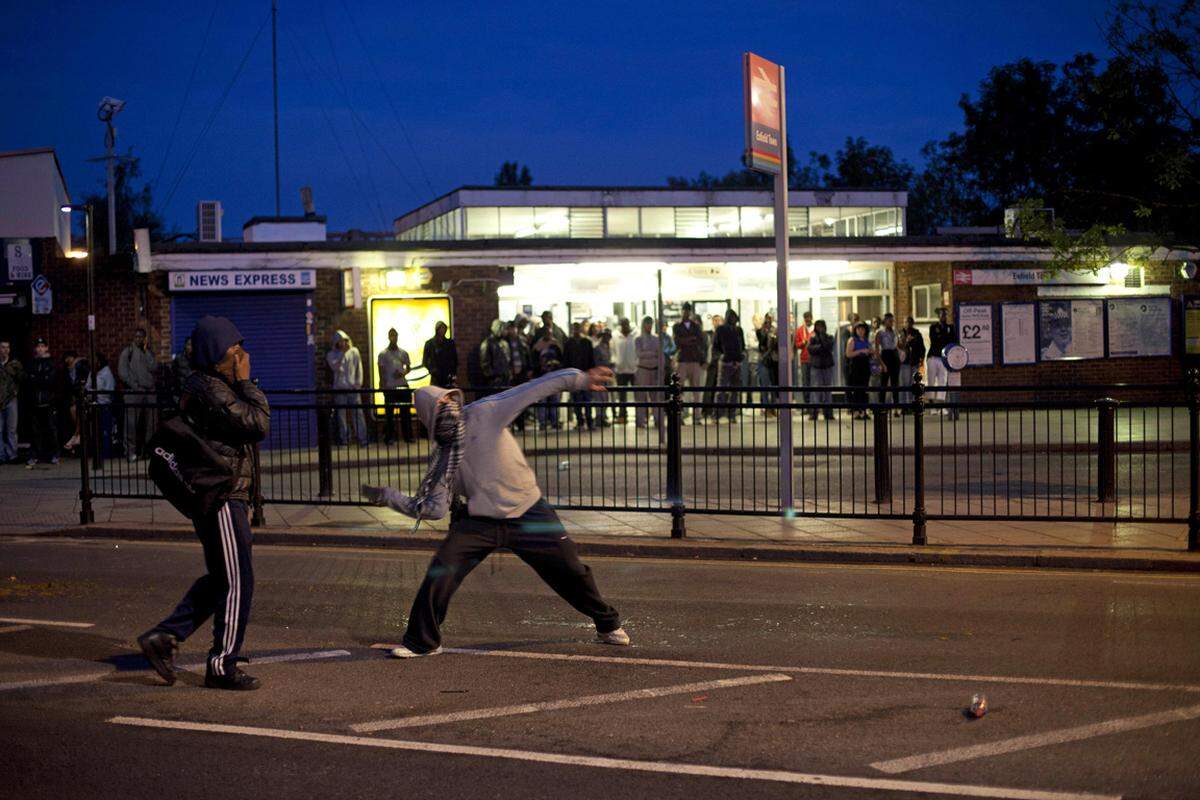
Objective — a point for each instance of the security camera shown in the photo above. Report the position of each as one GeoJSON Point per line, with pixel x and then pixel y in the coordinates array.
{"type": "Point", "coordinates": [110, 107]}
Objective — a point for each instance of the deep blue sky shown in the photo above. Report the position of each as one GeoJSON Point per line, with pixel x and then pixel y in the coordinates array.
{"type": "Point", "coordinates": [584, 93]}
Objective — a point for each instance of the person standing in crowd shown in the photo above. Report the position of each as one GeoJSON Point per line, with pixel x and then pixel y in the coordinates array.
{"type": "Point", "coordinates": [12, 375]}
{"type": "Point", "coordinates": [820, 348]}
{"type": "Point", "coordinates": [649, 363]}
{"type": "Point", "coordinates": [548, 322]}
{"type": "Point", "coordinates": [713, 376]}
{"type": "Point", "coordinates": [912, 343]}
{"type": "Point", "coordinates": [730, 347]}
{"type": "Point", "coordinates": [941, 334]}
{"type": "Point", "coordinates": [523, 329]}
{"type": "Point", "coordinates": [520, 362]}
{"type": "Point", "coordinates": [43, 379]}
{"type": "Point", "coordinates": [803, 334]}
{"type": "Point", "coordinates": [624, 343]}
{"type": "Point", "coordinates": [749, 377]}
{"type": "Point", "coordinates": [78, 376]}
{"type": "Point", "coordinates": [549, 355]}
{"type": "Point", "coordinates": [440, 358]}
{"type": "Point", "coordinates": [692, 352]}
{"type": "Point", "coordinates": [845, 334]}
{"type": "Point", "coordinates": [887, 346]}
{"type": "Point", "coordinates": [226, 409]}
{"type": "Point", "coordinates": [345, 365]}
{"type": "Point", "coordinates": [604, 358]}
{"type": "Point", "coordinates": [579, 354]}
{"type": "Point", "coordinates": [394, 365]}
{"type": "Point", "coordinates": [104, 385]}
{"type": "Point", "coordinates": [135, 368]}
{"type": "Point", "coordinates": [768, 362]}
{"type": "Point", "coordinates": [494, 359]}
{"type": "Point", "coordinates": [181, 368]}
{"type": "Point", "coordinates": [859, 355]}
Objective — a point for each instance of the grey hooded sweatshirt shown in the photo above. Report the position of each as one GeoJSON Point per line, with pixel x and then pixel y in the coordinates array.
{"type": "Point", "coordinates": [493, 474]}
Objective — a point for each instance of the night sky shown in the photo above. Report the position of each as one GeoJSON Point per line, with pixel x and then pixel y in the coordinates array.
{"type": "Point", "coordinates": [584, 93]}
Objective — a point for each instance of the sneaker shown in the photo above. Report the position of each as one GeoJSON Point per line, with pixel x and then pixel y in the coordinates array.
{"type": "Point", "coordinates": [54, 460]}
{"type": "Point", "coordinates": [405, 652]}
{"type": "Point", "coordinates": [237, 681]}
{"type": "Point", "coordinates": [159, 649]}
{"type": "Point", "coordinates": [131, 459]}
{"type": "Point", "coordinates": [618, 637]}
{"type": "Point", "coordinates": [31, 463]}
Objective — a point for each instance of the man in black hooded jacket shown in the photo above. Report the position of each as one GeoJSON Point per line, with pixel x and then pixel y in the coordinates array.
{"type": "Point", "coordinates": [231, 414]}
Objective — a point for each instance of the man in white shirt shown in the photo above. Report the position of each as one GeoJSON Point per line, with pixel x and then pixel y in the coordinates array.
{"type": "Point", "coordinates": [625, 358]}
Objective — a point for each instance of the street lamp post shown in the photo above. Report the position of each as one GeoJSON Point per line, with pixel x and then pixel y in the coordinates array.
{"type": "Point", "coordinates": [91, 281]}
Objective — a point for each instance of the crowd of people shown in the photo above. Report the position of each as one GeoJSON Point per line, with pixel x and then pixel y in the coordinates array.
{"type": "Point", "coordinates": [877, 358]}
{"type": "Point", "coordinates": [42, 395]}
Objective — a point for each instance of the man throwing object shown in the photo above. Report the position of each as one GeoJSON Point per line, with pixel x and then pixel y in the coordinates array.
{"type": "Point", "coordinates": [474, 454]}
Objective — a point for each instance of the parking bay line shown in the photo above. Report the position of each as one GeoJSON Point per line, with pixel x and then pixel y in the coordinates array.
{"type": "Point", "coordinates": [50, 622]}
{"type": "Point", "coordinates": [627, 765]}
{"type": "Point", "coordinates": [86, 677]}
{"type": "Point", "coordinates": [896, 766]}
{"type": "Point", "coordinates": [554, 705]}
{"type": "Point", "coordinates": [1085, 683]}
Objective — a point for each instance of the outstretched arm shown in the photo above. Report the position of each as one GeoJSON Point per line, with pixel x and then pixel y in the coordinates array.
{"type": "Point", "coordinates": [507, 405]}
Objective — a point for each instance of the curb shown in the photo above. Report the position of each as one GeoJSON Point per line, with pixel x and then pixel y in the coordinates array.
{"type": "Point", "coordinates": [936, 555]}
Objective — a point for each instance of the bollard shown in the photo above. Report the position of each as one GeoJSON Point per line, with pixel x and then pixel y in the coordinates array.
{"type": "Point", "coordinates": [918, 412]}
{"type": "Point", "coordinates": [324, 451]}
{"type": "Point", "coordinates": [675, 456]}
{"type": "Point", "coordinates": [883, 458]}
{"type": "Point", "coordinates": [87, 514]}
{"type": "Point", "coordinates": [257, 519]}
{"type": "Point", "coordinates": [1106, 450]}
{"type": "Point", "coordinates": [1193, 401]}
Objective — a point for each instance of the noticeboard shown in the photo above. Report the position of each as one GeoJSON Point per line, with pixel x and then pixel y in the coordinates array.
{"type": "Point", "coordinates": [1018, 325]}
{"type": "Point", "coordinates": [976, 332]}
{"type": "Point", "coordinates": [1139, 327]}
{"type": "Point", "coordinates": [1070, 330]}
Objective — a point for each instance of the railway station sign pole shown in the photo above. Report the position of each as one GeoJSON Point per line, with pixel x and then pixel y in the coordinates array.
{"type": "Point", "coordinates": [766, 151]}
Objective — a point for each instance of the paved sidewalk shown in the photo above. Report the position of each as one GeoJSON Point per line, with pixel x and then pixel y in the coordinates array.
{"type": "Point", "coordinates": [45, 501]}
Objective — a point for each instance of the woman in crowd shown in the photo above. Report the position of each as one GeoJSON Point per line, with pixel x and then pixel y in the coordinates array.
{"type": "Point", "coordinates": [859, 356]}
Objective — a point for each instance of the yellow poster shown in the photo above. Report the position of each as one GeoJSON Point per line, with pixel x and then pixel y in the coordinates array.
{"type": "Point", "coordinates": [414, 319]}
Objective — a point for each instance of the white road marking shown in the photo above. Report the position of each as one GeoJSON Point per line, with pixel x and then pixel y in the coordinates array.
{"type": "Point", "coordinates": [628, 765]}
{"type": "Point", "coordinates": [15, 628]}
{"type": "Point", "coordinates": [554, 705]}
{"type": "Point", "coordinates": [852, 673]}
{"type": "Point", "coordinates": [50, 622]}
{"type": "Point", "coordinates": [898, 765]}
{"type": "Point", "coordinates": [41, 683]}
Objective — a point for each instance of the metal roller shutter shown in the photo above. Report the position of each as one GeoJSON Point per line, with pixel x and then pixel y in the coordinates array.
{"type": "Point", "coordinates": [273, 324]}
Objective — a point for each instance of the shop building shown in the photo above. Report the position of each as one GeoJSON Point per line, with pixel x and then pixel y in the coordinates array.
{"type": "Point", "coordinates": [482, 253]}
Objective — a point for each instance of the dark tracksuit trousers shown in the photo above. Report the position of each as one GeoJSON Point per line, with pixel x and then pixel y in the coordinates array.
{"type": "Point", "coordinates": [225, 592]}
{"type": "Point", "coordinates": [537, 537]}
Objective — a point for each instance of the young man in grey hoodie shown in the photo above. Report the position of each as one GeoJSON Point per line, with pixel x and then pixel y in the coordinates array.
{"type": "Point", "coordinates": [474, 454]}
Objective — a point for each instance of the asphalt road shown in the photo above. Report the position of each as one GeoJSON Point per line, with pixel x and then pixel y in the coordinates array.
{"type": "Point", "coordinates": [757, 681]}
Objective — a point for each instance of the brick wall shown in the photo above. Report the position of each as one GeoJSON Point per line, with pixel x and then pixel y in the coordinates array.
{"type": "Point", "coordinates": [910, 274]}
{"type": "Point", "coordinates": [125, 301]}
{"type": "Point", "coordinates": [1058, 374]}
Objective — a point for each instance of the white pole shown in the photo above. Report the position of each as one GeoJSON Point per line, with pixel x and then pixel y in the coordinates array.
{"type": "Point", "coordinates": [783, 307]}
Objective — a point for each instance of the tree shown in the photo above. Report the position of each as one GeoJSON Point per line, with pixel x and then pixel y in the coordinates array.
{"type": "Point", "coordinates": [862, 165]}
{"type": "Point", "coordinates": [513, 174]}
{"type": "Point", "coordinates": [135, 207]}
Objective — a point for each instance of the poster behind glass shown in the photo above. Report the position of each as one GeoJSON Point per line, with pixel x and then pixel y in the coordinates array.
{"type": "Point", "coordinates": [1071, 329]}
{"type": "Point", "coordinates": [1139, 327]}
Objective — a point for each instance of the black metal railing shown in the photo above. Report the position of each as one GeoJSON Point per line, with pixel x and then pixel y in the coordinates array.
{"type": "Point", "coordinates": [1107, 453]}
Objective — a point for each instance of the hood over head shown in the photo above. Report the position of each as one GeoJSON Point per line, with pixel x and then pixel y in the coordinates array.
{"type": "Point", "coordinates": [425, 400]}
{"type": "Point", "coordinates": [338, 336]}
{"type": "Point", "coordinates": [731, 317]}
{"type": "Point", "coordinates": [497, 328]}
{"type": "Point", "coordinates": [211, 339]}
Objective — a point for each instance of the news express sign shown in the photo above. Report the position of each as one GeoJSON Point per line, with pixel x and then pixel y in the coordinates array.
{"type": "Point", "coordinates": [279, 280]}
{"type": "Point", "coordinates": [764, 116]}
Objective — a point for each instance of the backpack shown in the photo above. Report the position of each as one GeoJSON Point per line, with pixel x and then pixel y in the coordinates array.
{"type": "Point", "coordinates": [191, 475]}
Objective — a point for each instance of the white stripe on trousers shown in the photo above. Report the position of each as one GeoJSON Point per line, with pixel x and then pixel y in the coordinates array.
{"type": "Point", "coordinates": [233, 594]}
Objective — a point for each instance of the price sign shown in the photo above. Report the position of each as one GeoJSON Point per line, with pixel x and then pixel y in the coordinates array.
{"type": "Point", "coordinates": [975, 332]}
